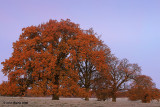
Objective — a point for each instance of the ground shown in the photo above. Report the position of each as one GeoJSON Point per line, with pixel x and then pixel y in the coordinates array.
{"type": "Point", "coordinates": [70, 102]}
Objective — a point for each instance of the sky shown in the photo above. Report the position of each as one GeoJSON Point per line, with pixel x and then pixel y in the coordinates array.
{"type": "Point", "coordinates": [131, 28]}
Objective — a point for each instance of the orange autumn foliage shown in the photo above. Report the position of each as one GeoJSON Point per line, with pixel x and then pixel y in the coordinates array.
{"type": "Point", "coordinates": [58, 58]}
{"type": "Point", "coordinates": [40, 55]}
{"type": "Point", "coordinates": [101, 86]}
{"type": "Point", "coordinates": [46, 57]}
{"type": "Point", "coordinates": [143, 89]}
{"type": "Point", "coordinates": [118, 73]}
{"type": "Point", "coordinates": [10, 89]}
{"type": "Point", "coordinates": [90, 54]}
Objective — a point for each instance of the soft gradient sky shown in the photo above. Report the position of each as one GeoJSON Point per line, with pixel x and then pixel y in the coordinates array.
{"type": "Point", "coordinates": [131, 28]}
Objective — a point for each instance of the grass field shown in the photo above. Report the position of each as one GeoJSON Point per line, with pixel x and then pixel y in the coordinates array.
{"type": "Point", "coordinates": [70, 102]}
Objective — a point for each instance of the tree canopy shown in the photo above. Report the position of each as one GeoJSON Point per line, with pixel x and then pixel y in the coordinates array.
{"type": "Point", "coordinates": [51, 57]}
{"type": "Point", "coordinates": [59, 58]}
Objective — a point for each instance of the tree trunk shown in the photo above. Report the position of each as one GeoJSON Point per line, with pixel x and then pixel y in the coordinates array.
{"type": "Point", "coordinates": [114, 91]}
{"type": "Point", "coordinates": [113, 98]}
{"type": "Point", "coordinates": [55, 97]}
{"type": "Point", "coordinates": [87, 97]}
{"type": "Point", "coordinates": [146, 99]}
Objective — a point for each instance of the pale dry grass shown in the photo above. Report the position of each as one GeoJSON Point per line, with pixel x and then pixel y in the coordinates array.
{"type": "Point", "coordinates": [71, 102]}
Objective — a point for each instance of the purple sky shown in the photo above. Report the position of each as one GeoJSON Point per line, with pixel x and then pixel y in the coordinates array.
{"type": "Point", "coordinates": [131, 28]}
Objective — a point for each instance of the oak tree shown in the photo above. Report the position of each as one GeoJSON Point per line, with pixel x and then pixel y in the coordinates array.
{"type": "Point", "coordinates": [90, 57]}
{"type": "Point", "coordinates": [42, 58]}
{"type": "Point", "coordinates": [143, 89]}
{"type": "Point", "coordinates": [120, 72]}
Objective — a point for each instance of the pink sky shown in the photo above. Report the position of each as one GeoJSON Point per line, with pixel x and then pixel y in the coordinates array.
{"type": "Point", "coordinates": [129, 27]}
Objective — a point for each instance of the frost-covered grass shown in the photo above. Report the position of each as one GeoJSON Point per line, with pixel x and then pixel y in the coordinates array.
{"type": "Point", "coordinates": [70, 102]}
